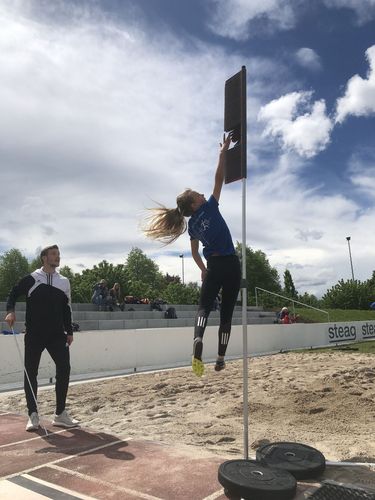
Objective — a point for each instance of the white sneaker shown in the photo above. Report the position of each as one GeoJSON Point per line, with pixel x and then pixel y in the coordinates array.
{"type": "Point", "coordinates": [63, 420]}
{"type": "Point", "coordinates": [33, 422]}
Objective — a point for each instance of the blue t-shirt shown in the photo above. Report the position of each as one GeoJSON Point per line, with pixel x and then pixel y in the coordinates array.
{"type": "Point", "coordinates": [208, 226]}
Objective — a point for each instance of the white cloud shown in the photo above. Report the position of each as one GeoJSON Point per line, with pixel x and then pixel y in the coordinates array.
{"type": "Point", "coordinates": [233, 18]}
{"type": "Point", "coordinates": [361, 172]}
{"type": "Point", "coordinates": [365, 182]}
{"type": "Point", "coordinates": [98, 119]}
{"type": "Point", "coordinates": [363, 9]}
{"type": "Point", "coordinates": [294, 224]}
{"type": "Point", "coordinates": [359, 98]}
{"type": "Point", "coordinates": [300, 125]}
{"type": "Point", "coordinates": [241, 19]}
{"type": "Point", "coordinates": [308, 59]}
{"type": "Point", "coordinates": [308, 234]}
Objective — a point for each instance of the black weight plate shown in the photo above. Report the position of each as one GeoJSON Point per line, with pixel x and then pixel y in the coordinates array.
{"type": "Point", "coordinates": [251, 480]}
{"type": "Point", "coordinates": [301, 460]}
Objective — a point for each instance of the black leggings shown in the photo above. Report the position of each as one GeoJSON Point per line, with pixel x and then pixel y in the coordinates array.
{"type": "Point", "coordinates": [223, 272]}
{"type": "Point", "coordinates": [59, 352]}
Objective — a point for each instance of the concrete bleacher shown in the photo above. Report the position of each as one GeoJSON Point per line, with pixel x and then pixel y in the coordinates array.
{"type": "Point", "coordinates": [90, 318]}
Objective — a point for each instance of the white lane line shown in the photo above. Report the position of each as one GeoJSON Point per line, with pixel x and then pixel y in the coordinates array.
{"type": "Point", "coordinates": [63, 459]}
{"type": "Point", "coordinates": [57, 487]}
{"type": "Point", "coordinates": [217, 494]}
{"type": "Point", "coordinates": [12, 491]}
{"type": "Point", "coordinates": [136, 493]}
{"type": "Point", "coordinates": [43, 436]}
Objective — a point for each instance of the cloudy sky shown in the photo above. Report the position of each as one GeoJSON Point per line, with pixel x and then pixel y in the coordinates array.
{"type": "Point", "coordinates": [109, 106]}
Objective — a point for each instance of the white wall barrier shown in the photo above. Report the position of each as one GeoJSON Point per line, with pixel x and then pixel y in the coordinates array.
{"type": "Point", "coordinates": [130, 350]}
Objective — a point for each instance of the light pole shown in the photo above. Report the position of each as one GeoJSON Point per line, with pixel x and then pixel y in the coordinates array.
{"type": "Point", "coordinates": [182, 262]}
{"type": "Point", "coordinates": [350, 255]}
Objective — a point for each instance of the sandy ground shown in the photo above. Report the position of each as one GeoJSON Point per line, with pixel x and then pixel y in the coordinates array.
{"type": "Point", "coordinates": [326, 400]}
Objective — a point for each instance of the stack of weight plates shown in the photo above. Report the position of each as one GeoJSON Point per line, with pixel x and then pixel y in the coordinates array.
{"type": "Point", "coordinates": [303, 461]}
{"type": "Point", "coordinates": [249, 479]}
{"type": "Point", "coordinates": [274, 473]}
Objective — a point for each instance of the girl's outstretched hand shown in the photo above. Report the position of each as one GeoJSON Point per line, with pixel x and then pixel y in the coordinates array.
{"type": "Point", "coordinates": [226, 142]}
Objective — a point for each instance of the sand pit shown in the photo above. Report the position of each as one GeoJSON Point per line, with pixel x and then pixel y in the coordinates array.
{"type": "Point", "coordinates": [326, 400]}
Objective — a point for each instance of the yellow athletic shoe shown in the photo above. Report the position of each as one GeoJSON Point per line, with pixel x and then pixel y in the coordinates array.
{"type": "Point", "coordinates": [197, 366]}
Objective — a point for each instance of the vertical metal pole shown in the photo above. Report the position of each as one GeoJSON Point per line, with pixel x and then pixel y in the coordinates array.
{"type": "Point", "coordinates": [235, 121]}
{"type": "Point", "coordinates": [183, 271]}
{"type": "Point", "coordinates": [244, 283]}
{"type": "Point", "coordinates": [244, 329]}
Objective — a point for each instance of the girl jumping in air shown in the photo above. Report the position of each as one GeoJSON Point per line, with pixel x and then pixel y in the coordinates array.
{"type": "Point", "coordinates": [223, 271]}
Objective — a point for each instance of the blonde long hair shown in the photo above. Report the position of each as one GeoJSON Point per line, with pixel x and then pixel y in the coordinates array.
{"type": "Point", "coordinates": [167, 224]}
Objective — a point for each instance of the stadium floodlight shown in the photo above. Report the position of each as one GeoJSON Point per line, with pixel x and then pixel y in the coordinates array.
{"type": "Point", "coordinates": [350, 256]}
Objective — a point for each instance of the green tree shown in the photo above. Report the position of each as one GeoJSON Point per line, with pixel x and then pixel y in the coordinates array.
{"type": "Point", "coordinates": [141, 289]}
{"type": "Point", "coordinates": [177, 293]}
{"type": "Point", "coordinates": [259, 273]}
{"type": "Point", "coordinates": [371, 286]}
{"type": "Point", "coordinates": [289, 288]}
{"type": "Point", "coordinates": [13, 267]}
{"type": "Point", "coordinates": [143, 275]}
{"type": "Point", "coordinates": [110, 272]}
{"type": "Point", "coordinates": [82, 284]}
{"type": "Point", "coordinates": [74, 280]}
{"type": "Point", "coordinates": [309, 299]}
{"type": "Point", "coordinates": [67, 272]}
{"type": "Point", "coordinates": [372, 279]}
{"type": "Point", "coordinates": [35, 264]}
{"type": "Point", "coordinates": [349, 295]}
{"type": "Point", "coordinates": [171, 278]}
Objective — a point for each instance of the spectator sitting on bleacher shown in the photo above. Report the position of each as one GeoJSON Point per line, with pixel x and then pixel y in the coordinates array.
{"type": "Point", "coordinates": [157, 304]}
{"type": "Point", "coordinates": [284, 312]}
{"type": "Point", "coordinates": [114, 298]}
{"type": "Point", "coordinates": [100, 294]}
{"type": "Point", "coordinates": [285, 318]}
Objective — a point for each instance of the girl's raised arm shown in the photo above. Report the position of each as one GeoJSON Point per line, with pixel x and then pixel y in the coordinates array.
{"type": "Point", "coordinates": [219, 174]}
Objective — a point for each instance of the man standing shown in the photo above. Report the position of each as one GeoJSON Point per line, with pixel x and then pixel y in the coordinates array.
{"type": "Point", "coordinates": [48, 326]}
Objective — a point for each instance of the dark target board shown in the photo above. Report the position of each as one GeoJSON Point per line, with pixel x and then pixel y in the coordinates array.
{"type": "Point", "coordinates": [235, 123]}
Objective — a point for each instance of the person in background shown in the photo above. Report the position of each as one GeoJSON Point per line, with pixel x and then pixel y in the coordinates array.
{"type": "Point", "coordinates": [286, 318]}
{"type": "Point", "coordinates": [284, 312]}
{"type": "Point", "coordinates": [222, 269]}
{"type": "Point", "coordinates": [114, 299]}
{"type": "Point", "coordinates": [100, 294]}
{"type": "Point", "coordinates": [48, 326]}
